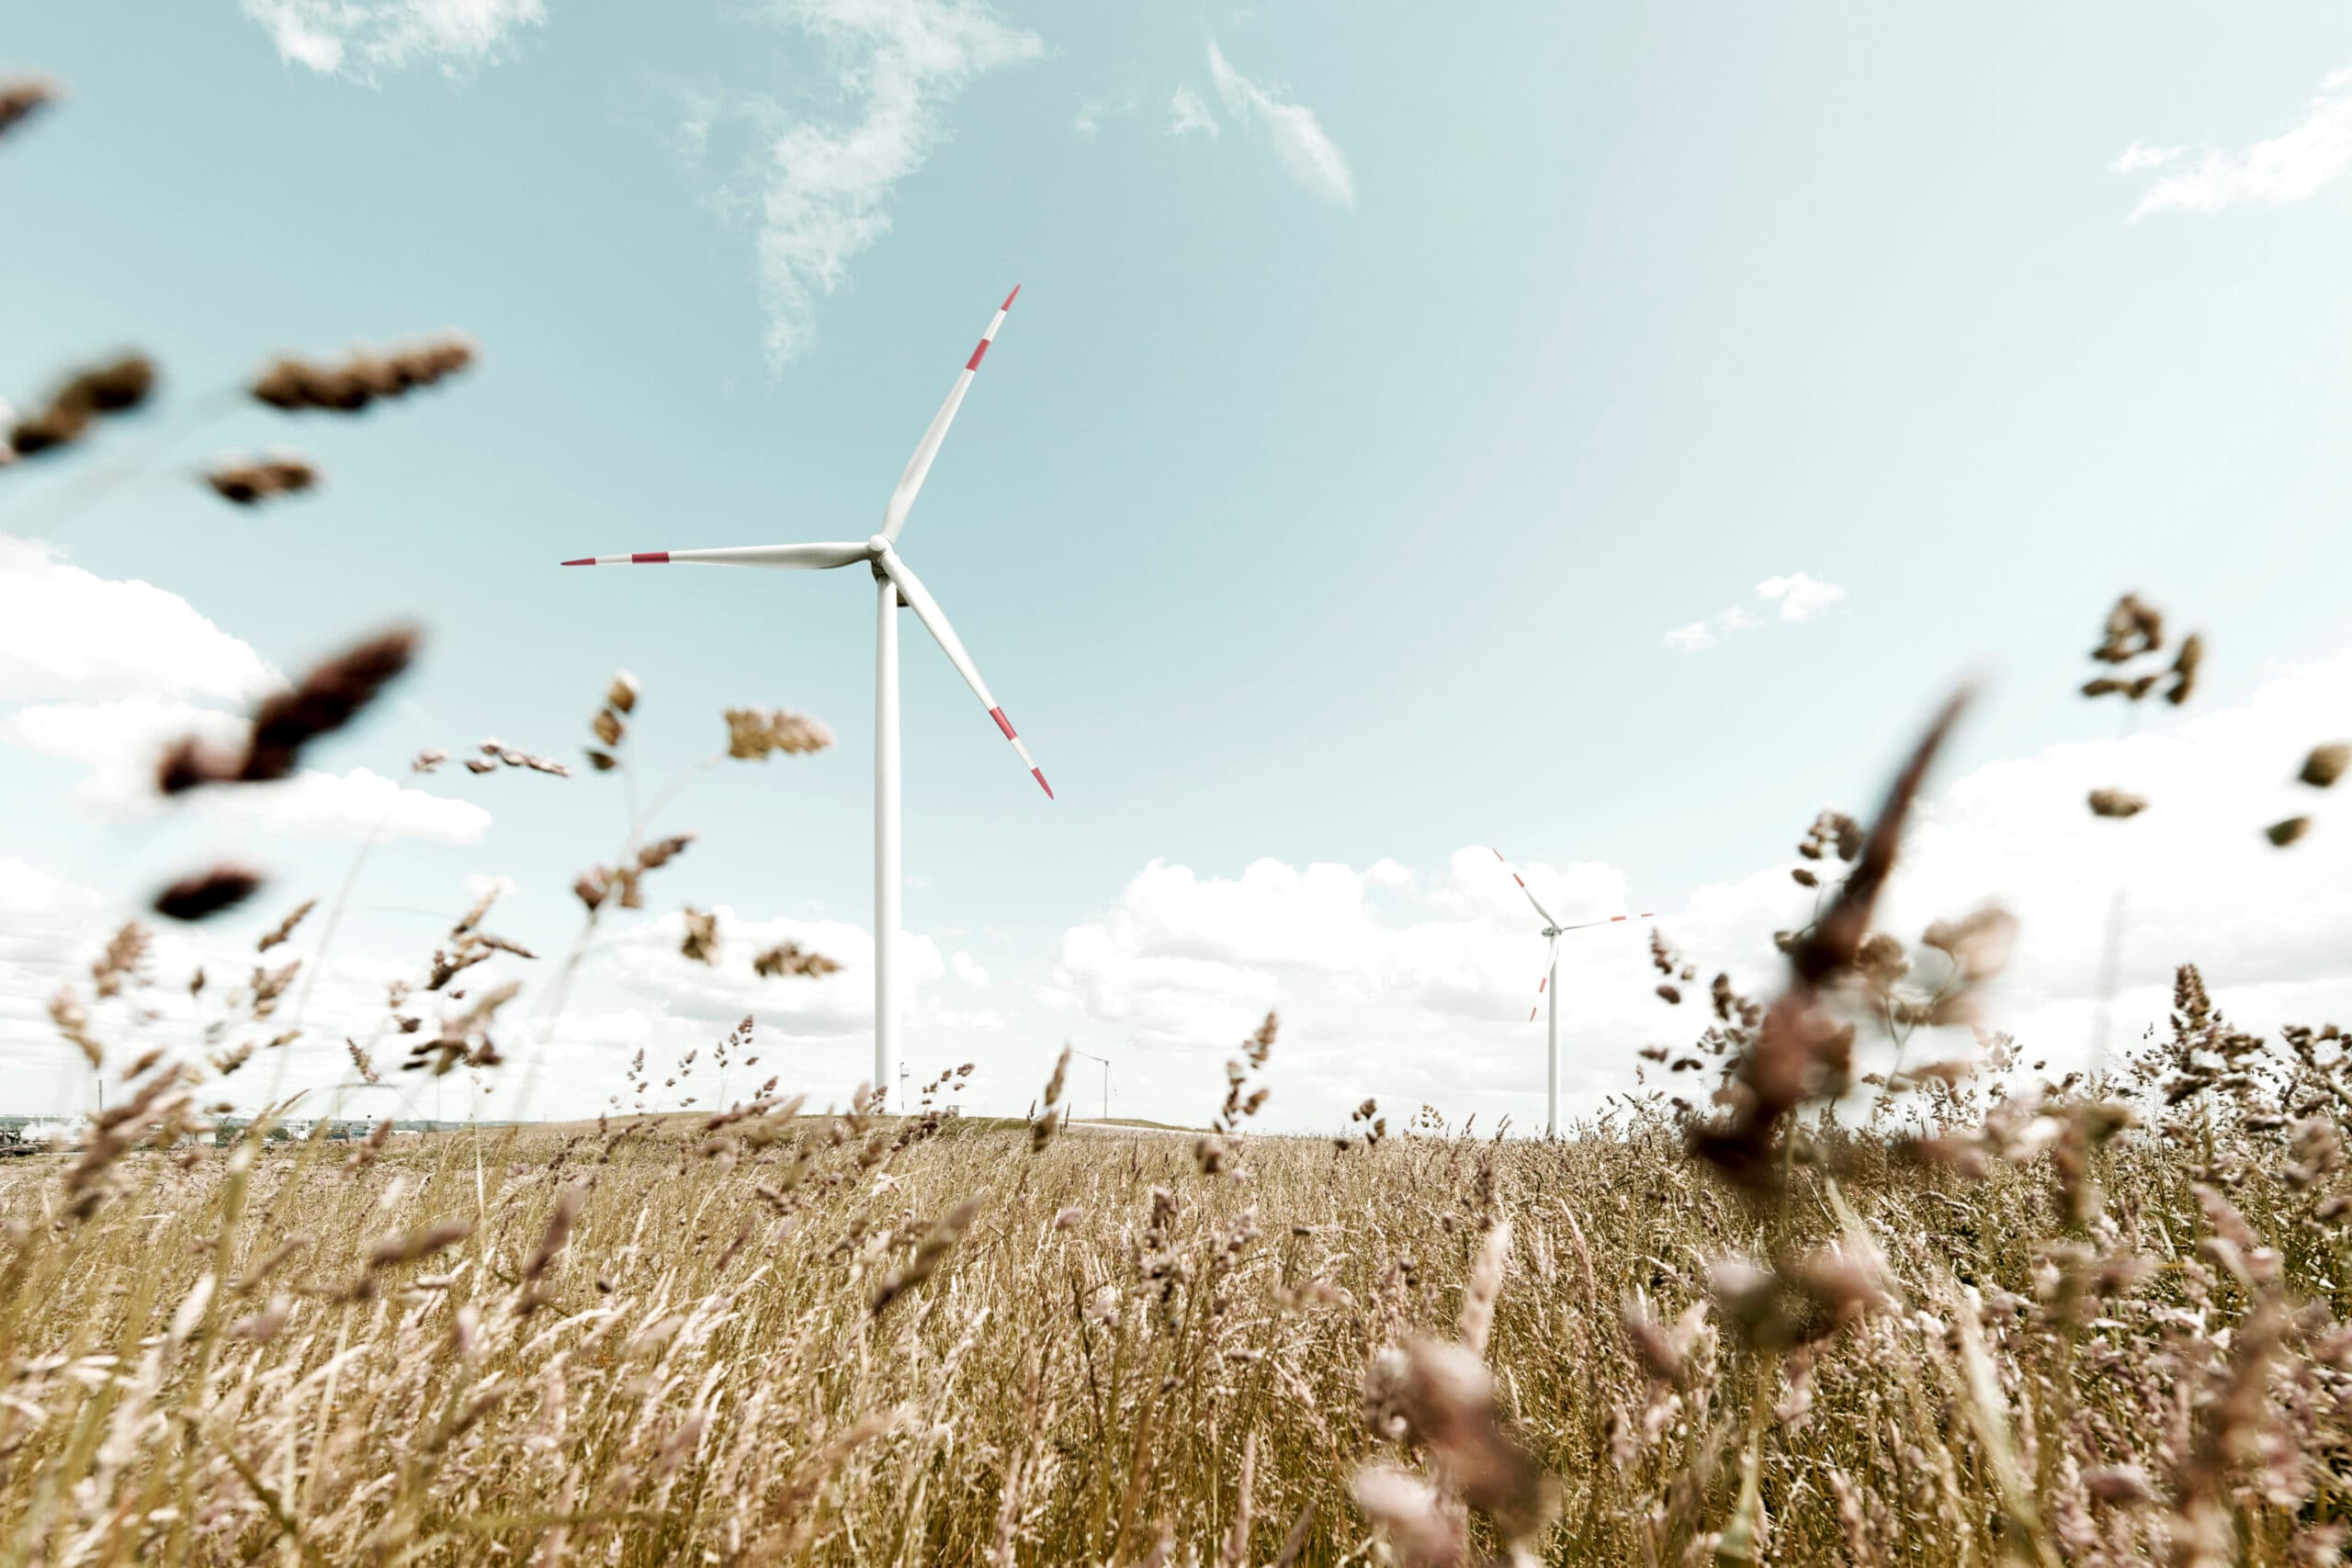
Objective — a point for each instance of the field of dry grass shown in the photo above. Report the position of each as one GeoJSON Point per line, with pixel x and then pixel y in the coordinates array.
{"type": "Point", "coordinates": [845, 1340]}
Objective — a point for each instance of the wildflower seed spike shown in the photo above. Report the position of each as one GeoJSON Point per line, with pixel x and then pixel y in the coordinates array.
{"type": "Point", "coordinates": [897, 586]}
{"type": "Point", "coordinates": [1549, 986]}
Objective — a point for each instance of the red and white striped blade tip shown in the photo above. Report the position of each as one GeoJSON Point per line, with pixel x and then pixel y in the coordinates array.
{"type": "Point", "coordinates": [642, 557]}
{"type": "Point", "coordinates": [1011, 297]}
{"type": "Point", "coordinates": [1035, 771]}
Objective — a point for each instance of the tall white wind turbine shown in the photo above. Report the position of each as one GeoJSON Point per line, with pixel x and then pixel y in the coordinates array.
{"type": "Point", "coordinates": [898, 585]}
{"type": "Point", "coordinates": [1549, 987]}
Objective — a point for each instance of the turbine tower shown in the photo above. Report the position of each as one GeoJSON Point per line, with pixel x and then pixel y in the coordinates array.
{"type": "Point", "coordinates": [1549, 986]}
{"type": "Point", "coordinates": [896, 584]}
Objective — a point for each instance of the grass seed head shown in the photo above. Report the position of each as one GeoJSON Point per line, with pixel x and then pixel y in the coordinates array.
{"type": "Point", "coordinates": [2326, 764]}
{"type": "Point", "coordinates": [2117, 803]}
{"type": "Point", "coordinates": [21, 98]}
{"type": "Point", "coordinates": [206, 893]}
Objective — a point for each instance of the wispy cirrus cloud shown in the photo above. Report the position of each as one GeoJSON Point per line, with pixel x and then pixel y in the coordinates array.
{"type": "Point", "coordinates": [820, 189]}
{"type": "Point", "coordinates": [1306, 151]}
{"type": "Point", "coordinates": [2291, 167]}
{"type": "Point", "coordinates": [1188, 112]}
{"type": "Point", "coordinates": [360, 38]}
{"type": "Point", "coordinates": [1796, 596]}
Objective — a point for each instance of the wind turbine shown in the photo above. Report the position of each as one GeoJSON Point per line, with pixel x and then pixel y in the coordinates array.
{"type": "Point", "coordinates": [1106, 1078]}
{"type": "Point", "coordinates": [898, 585]}
{"type": "Point", "coordinates": [1549, 986]}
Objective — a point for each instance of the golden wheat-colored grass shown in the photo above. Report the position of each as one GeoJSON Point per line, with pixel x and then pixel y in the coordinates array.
{"type": "Point", "coordinates": [210, 1368]}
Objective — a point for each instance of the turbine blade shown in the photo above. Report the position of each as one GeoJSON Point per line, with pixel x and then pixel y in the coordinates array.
{"type": "Point", "coordinates": [934, 620]}
{"type": "Point", "coordinates": [1551, 957]}
{"type": "Point", "coordinates": [1526, 889]}
{"type": "Point", "coordinates": [1613, 919]}
{"type": "Point", "coordinates": [902, 498]}
{"type": "Point", "coordinates": [806, 558]}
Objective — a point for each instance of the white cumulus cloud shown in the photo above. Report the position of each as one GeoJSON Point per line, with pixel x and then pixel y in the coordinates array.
{"type": "Point", "coordinates": [66, 633]}
{"type": "Point", "coordinates": [1306, 151]}
{"type": "Point", "coordinates": [1425, 994]}
{"type": "Point", "coordinates": [1691, 636]}
{"type": "Point", "coordinates": [2291, 167]}
{"type": "Point", "coordinates": [360, 38]}
{"type": "Point", "coordinates": [1799, 597]}
{"type": "Point", "coordinates": [107, 672]}
{"type": "Point", "coordinates": [2140, 155]}
{"type": "Point", "coordinates": [120, 742]}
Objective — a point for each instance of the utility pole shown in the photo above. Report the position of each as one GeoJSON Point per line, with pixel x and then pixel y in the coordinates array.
{"type": "Point", "coordinates": [1106, 1077]}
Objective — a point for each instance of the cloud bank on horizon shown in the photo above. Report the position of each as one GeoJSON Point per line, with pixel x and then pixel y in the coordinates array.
{"type": "Point", "coordinates": [1406, 985]}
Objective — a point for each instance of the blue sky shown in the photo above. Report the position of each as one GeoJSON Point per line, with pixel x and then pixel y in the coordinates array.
{"type": "Point", "coordinates": [1329, 499]}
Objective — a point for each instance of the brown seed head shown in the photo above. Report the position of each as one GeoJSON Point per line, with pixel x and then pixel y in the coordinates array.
{"type": "Point", "coordinates": [423, 1242]}
{"type": "Point", "coordinates": [2133, 628]}
{"type": "Point", "coordinates": [2116, 803]}
{"type": "Point", "coordinates": [755, 734]}
{"type": "Point", "coordinates": [787, 958]}
{"type": "Point", "coordinates": [248, 484]}
{"type": "Point", "coordinates": [2326, 764]}
{"type": "Point", "coordinates": [284, 928]}
{"type": "Point", "coordinates": [206, 893]}
{"type": "Point", "coordinates": [2184, 664]}
{"type": "Point", "coordinates": [23, 96]}
{"type": "Point", "coordinates": [329, 698]}
{"type": "Point", "coordinates": [2283, 833]}
{"type": "Point", "coordinates": [87, 397]}
{"type": "Point", "coordinates": [930, 1253]}
{"type": "Point", "coordinates": [663, 852]}
{"type": "Point", "coordinates": [292, 384]}
{"type": "Point", "coordinates": [701, 942]}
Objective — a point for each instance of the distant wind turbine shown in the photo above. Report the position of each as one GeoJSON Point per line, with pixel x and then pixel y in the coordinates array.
{"type": "Point", "coordinates": [1549, 986]}
{"type": "Point", "coordinates": [899, 586]}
